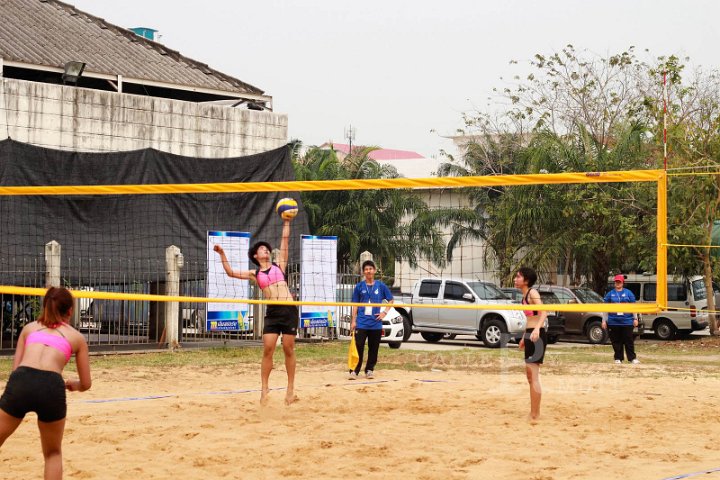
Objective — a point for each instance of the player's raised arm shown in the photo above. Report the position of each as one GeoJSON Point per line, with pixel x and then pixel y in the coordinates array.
{"type": "Point", "coordinates": [284, 245]}
{"type": "Point", "coordinates": [241, 274]}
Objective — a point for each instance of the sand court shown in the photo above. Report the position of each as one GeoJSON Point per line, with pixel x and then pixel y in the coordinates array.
{"type": "Point", "coordinates": [206, 422]}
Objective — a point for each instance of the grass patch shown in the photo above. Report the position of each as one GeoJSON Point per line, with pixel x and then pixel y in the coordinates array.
{"type": "Point", "coordinates": [688, 358]}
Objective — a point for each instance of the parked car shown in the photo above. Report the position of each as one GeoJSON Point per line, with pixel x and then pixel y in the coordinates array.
{"type": "Point", "coordinates": [687, 298]}
{"type": "Point", "coordinates": [125, 317]}
{"type": "Point", "coordinates": [588, 324]}
{"type": "Point", "coordinates": [514, 294]}
{"type": "Point", "coordinates": [86, 321]}
{"type": "Point", "coordinates": [489, 326]}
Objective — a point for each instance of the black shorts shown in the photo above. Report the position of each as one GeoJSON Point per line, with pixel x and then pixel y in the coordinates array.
{"type": "Point", "coordinates": [281, 319]}
{"type": "Point", "coordinates": [535, 351]}
{"type": "Point", "coordinates": [32, 390]}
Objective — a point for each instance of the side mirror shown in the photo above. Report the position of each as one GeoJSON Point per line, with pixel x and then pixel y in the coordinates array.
{"type": "Point", "coordinates": [469, 297]}
{"type": "Point", "coordinates": [573, 301]}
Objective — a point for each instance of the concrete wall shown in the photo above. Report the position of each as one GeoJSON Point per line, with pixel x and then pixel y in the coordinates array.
{"type": "Point", "coordinates": [70, 118]}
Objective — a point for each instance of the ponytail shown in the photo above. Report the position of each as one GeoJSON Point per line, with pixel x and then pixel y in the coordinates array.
{"type": "Point", "coordinates": [56, 307]}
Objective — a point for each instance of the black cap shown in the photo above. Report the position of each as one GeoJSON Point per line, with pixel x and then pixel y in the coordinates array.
{"type": "Point", "coordinates": [253, 250]}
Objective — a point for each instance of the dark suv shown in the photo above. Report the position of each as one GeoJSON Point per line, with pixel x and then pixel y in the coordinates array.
{"type": "Point", "coordinates": [588, 324]}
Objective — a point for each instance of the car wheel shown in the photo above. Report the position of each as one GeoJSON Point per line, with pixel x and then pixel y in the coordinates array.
{"type": "Point", "coordinates": [432, 337]}
{"type": "Point", "coordinates": [407, 328]}
{"type": "Point", "coordinates": [492, 333]}
{"type": "Point", "coordinates": [665, 329]}
{"type": "Point", "coordinates": [553, 338]}
{"type": "Point", "coordinates": [595, 333]}
{"type": "Point", "coordinates": [394, 344]}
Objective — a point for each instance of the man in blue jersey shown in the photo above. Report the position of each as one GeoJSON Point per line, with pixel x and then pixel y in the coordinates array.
{"type": "Point", "coordinates": [367, 321]}
{"type": "Point", "coordinates": [620, 325]}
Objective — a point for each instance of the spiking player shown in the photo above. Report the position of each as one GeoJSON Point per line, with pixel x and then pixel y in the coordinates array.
{"type": "Point", "coordinates": [279, 319]}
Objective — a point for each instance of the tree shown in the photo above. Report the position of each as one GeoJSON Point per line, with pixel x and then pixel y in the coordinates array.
{"type": "Point", "coordinates": [574, 113]}
{"type": "Point", "coordinates": [393, 224]}
{"type": "Point", "coordinates": [694, 191]}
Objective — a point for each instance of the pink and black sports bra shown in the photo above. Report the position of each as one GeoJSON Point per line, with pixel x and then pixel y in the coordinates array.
{"type": "Point", "coordinates": [271, 276]}
{"type": "Point", "coordinates": [528, 313]}
{"type": "Point", "coordinates": [58, 342]}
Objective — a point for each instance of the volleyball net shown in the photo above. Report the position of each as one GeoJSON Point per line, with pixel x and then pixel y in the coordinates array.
{"type": "Point", "coordinates": [439, 228]}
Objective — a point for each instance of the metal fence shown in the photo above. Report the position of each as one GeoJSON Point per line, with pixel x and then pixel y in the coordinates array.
{"type": "Point", "coordinates": [114, 324]}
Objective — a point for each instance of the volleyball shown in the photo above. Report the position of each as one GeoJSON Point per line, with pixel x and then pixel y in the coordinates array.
{"type": "Point", "coordinates": [287, 208]}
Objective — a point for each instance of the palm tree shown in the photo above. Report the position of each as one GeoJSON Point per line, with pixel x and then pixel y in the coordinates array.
{"type": "Point", "coordinates": [395, 225]}
{"type": "Point", "coordinates": [590, 228]}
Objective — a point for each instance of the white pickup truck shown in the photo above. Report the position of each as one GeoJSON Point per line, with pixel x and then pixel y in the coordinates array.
{"type": "Point", "coordinates": [434, 323]}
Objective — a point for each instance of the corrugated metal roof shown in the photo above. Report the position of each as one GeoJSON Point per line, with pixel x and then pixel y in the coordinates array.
{"type": "Point", "coordinates": [50, 33]}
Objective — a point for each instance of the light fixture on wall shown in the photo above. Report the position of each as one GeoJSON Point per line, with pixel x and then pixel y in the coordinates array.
{"type": "Point", "coordinates": [72, 72]}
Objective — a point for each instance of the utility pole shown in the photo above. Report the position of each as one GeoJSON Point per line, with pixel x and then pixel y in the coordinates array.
{"type": "Point", "coordinates": [350, 135]}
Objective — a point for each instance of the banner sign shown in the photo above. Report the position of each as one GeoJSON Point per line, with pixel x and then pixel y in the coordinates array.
{"type": "Point", "coordinates": [318, 280]}
{"type": "Point", "coordinates": [227, 316]}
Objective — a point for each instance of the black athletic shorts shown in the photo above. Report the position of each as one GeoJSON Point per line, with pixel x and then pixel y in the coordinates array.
{"type": "Point", "coordinates": [281, 319]}
{"type": "Point", "coordinates": [32, 390]}
{"type": "Point", "coordinates": [535, 352]}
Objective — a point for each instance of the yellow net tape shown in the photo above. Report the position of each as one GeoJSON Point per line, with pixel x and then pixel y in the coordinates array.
{"type": "Point", "coordinates": [384, 183]}
{"type": "Point", "coordinates": [658, 176]}
{"type": "Point", "coordinates": [585, 307]}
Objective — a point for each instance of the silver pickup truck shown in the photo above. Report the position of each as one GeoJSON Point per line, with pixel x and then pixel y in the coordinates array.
{"type": "Point", "coordinates": [486, 325]}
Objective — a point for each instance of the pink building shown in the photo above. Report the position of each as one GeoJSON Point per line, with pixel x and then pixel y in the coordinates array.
{"type": "Point", "coordinates": [408, 164]}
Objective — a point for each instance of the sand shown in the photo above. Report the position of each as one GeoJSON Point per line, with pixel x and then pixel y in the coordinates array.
{"type": "Point", "coordinates": [207, 423]}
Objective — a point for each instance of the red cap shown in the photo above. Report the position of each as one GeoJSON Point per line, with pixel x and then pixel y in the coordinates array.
{"type": "Point", "coordinates": [620, 278]}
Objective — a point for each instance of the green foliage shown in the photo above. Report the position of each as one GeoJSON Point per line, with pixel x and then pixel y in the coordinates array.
{"type": "Point", "coordinates": [392, 224]}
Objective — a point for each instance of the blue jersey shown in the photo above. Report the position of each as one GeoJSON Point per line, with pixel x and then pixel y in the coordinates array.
{"type": "Point", "coordinates": [367, 318]}
{"type": "Point", "coordinates": [623, 296]}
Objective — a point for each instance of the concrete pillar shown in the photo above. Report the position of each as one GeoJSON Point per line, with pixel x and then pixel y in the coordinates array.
{"type": "Point", "coordinates": [52, 264]}
{"type": "Point", "coordinates": [365, 256]}
{"type": "Point", "coordinates": [174, 261]}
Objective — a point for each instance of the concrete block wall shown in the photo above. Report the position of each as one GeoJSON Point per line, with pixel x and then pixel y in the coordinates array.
{"type": "Point", "coordinates": [78, 119]}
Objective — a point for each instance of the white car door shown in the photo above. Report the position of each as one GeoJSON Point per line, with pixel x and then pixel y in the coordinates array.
{"type": "Point", "coordinates": [427, 295]}
{"type": "Point", "coordinates": [456, 293]}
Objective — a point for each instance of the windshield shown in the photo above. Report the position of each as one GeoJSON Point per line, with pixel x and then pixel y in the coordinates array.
{"type": "Point", "coordinates": [699, 291]}
{"type": "Point", "coordinates": [487, 291]}
{"type": "Point", "coordinates": [585, 295]}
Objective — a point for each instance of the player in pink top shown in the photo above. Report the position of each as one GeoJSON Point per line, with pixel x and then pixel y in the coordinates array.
{"type": "Point", "coordinates": [534, 340]}
{"type": "Point", "coordinates": [36, 383]}
{"type": "Point", "coordinates": [279, 319]}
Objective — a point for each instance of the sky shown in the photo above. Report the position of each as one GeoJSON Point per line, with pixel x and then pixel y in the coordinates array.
{"type": "Point", "coordinates": [402, 72]}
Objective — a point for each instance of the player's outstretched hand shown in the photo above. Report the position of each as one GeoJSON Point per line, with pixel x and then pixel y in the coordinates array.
{"type": "Point", "coordinates": [219, 249]}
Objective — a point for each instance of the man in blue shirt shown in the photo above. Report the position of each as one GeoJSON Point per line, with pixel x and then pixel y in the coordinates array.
{"type": "Point", "coordinates": [367, 321]}
{"type": "Point", "coordinates": [620, 325]}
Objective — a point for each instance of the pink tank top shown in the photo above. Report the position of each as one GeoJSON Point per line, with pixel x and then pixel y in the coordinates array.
{"type": "Point", "coordinates": [525, 301]}
{"type": "Point", "coordinates": [58, 342]}
{"type": "Point", "coordinates": [270, 276]}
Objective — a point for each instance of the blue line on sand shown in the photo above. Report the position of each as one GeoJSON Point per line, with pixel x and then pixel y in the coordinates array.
{"type": "Point", "coordinates": [688, 475]}
{"type": "Point", "coordinates": [126, 399]}
{"type": "Point", "coordinates": [233, 392]}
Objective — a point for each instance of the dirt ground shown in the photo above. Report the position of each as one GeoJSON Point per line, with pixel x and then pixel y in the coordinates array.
{"type": "Point", "coordinates": [598, 421]}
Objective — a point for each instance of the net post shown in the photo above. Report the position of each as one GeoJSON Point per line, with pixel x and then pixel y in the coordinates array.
{"type": "Point", "coordinates": [662, 239]}
{"type": "Point", "coordinates": [174, 262]}
{"type": "Point", "coordinates": [52, 264]}
{"type": "Point", "coordinates": [364, 256]}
